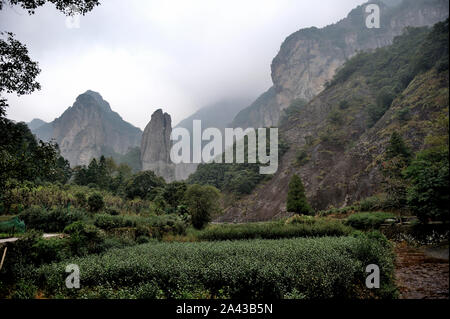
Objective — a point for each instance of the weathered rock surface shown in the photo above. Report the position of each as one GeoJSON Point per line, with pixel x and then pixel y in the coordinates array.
{"type": "Point", "coordinates": [156, 144]}
{"type": "Point", "coordinates": [343, 165]}
{"type": "Point", "coordinates": [155, 149]}
{"type": "Point", "coordinates": [310, 57]}
{"type": "Point", "coordinates": [89, 129]}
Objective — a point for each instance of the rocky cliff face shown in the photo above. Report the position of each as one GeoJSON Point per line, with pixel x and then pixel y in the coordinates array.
{"type": "Point", "coordinates": [310, 57]}
{"type": "Point", "coordinates": [336, 145]}
{"type": "Point", "coordinates": [156, 144]}
{"type": "Point", "coordinates": [89, 129]}
{"type": "Point", "coordinates": [155, 149]}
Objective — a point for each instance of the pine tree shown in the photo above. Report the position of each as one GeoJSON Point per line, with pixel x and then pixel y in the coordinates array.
{"type": "Point", "coordinates": [296, 200]}
{"type": "Point", "coordinates": [397, 147]}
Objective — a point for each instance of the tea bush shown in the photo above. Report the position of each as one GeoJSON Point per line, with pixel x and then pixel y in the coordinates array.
{"type": "Point", "coordinates": [313, 268]}
{"type": "Point", "coordinates": [275, 230]}
{"type": "Point", "coordinates": [368, 220]}
{"type": "Point", "coordinates": [157, 225]}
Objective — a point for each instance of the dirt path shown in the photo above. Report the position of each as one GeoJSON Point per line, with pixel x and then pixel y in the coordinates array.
{"type": "Point", "coordinates": [422, 273]}
{"type": "Point", "coordinates": [13, 239]}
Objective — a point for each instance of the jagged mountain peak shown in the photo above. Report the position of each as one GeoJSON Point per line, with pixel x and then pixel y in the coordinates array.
{"type": "Point", "coordinates": [92, 99]}
{"type": "Point", "coordinates": [89, 129]}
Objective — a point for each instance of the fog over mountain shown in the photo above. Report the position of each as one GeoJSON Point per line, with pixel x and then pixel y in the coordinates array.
{"type": "Point", "coordinates": [145, 55]}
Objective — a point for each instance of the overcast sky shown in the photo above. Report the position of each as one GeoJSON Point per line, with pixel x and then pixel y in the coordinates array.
{"type": "Point", "coordinates": [141, 55]}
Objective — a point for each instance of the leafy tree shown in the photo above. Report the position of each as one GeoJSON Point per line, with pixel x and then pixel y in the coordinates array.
{"type": "Point", "coordinates": [296, 200]}
{"type": "Point", "coordinates": [17, 71]}
{"type": "Point", "coordinates": [428, 195]}
{"type": "Point", "coordinates": [68, 7]}
{"type": "Point", "coordinates": [202, 202]}
{"type": "Point", "coordinates": [173, 193]}
{"type": "Point", "coordinates": [24, 159]}
{"type": "Point", "coordinates": [143, 185]}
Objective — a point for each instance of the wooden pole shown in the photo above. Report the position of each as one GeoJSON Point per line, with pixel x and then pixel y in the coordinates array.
{"type": "Point", "coordinates": [3, 258]}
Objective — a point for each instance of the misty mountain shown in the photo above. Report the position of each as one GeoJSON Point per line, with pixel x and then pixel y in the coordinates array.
{"type": "Point", "coordinates": [36, 123]}
{"type": "Point", "coordinates": [339, 139]}
{"type": "Point", "coordinates": [310, 57]}
{"type": "Point", "coordinates": [89, 129]}
{"type": "Point", "coordinates": [218, 115]}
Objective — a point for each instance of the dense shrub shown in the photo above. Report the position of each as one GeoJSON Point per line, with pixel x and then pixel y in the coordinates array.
{"type": "Point", "coordinates": [275, 230]}
{"type": "Point", "coordinates": [53, 220]}
{"type": "Point", "coordinates": [143, 185]}
{"type": "Point", "coordinates": [96, 202]}
{"type": "Point", "coordinates": [373, 203]}
{"type": "Point", "coordinates": [368, 220]}
{"type": "Point", "coordinates": [428, 196]}
{"type": "Point", "coordinates": [316, 268]}
{"type": "Point", "coordinates": [154, 225]}
{"type": "Point", "coordinates": [84, 238]}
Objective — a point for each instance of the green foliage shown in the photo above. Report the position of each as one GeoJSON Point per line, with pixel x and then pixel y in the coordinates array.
{"type": "Point", "coordinates": [17, 71]}
{"type": "Point", "coordinates": [434, 50]}
{"type": "Point", "coordinates": [343, 105]}
{"type": "Point", "coordinates": [365, 221]}
{"type": "Point", "coordinates": [302, 157]}
{"type": "Point", "coordinates": [336, 118]}
{"type": "Point", "coordinates": [292, 110]}
{"type": "Point", "coordinates": [202, 202]}
{"type": "Point", "coordinates": [83, 6]}
{"type": "Point", "coordinates": [317, 268]}
{"type": "Point", "coordinates": [428, 195]}
{"type": "Point", "coordinates": [12, 226]}
{"type": "Point", "coordinates": [373, 203]}
{"type": "Point", "coordinates": [396, 159]}
{"type": "Point", "coordinates": [173, 194]}
{"type": "Point", "coordinates": [296, 199]}
{"type": "Point", "coordinates": [24, 159]}
{"type": "Point", "coordinates": [53, 220]}
{"type": "Point", "coordinates": [389, 70]}
{"type": "Point", "coordinates": [20, 196]}
{"type": "Point", "coordinates": [144, 185]}
{"type": "Point", "coordinates": [397, 147]}
{"type": "Point", "coordinates": [96, 202]}
{"type": "Point", "coordinates": [153, 226]}
{"type": "Point", "coordinates": [235, 178]}
{"type": "Point", "coordinates": [274, 230]}
{"type": "Point", "coordinates": [84, 238]}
